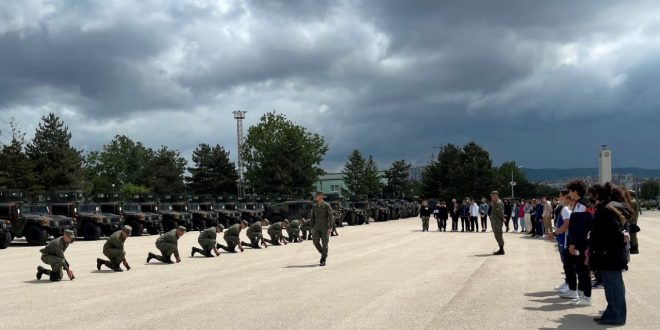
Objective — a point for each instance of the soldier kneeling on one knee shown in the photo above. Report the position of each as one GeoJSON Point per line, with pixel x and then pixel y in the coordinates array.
{"type": "Point", "coordinates": [114, 250]}
{"type": "Point", "coordinates": [168, 245]}
{"type": "Point", "coordinates": [208, 241]}
{"type": "Point", "coordinates": [53, 255]}
{"type": "Point", "coordinates": [255, 234]}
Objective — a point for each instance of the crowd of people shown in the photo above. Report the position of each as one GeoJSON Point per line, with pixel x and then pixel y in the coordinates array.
{"type": "Point", "coordinates": [595, 230]}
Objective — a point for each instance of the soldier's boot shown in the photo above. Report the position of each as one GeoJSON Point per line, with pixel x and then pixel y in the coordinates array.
{"type": "Point", "coordinates": [116, 269]}
{"type": "Point", "coordinates": [150, 256]}
{"type": "Point", "coordinates": [500, 252]}
{"type": "Point", "coordinates": [41, 271]}
{"type": "Point", "coordinates": [194, 250]}
{"type": "Point", "coordinates": [54, 277]}
{"type": "Point", "coordinates": [634, 250]}
{"type": "Point", "coordinates": [99, 263]}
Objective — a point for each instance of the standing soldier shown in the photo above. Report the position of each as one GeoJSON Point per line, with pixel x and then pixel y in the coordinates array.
{"type": "Point", "coordinates": [634, 245]}
{"type": "Point", "coordinates": [53, 255]}
{"type": "Point", "coordinates": [293, 230]}
{"type": "Point", "coordinates": [306, 229]}
{"type": "Point", "coordinates": [255, 234]}
{"type": "Point", "coordinates": [232, 237]}
{"type": "Point", "coordinates": [208, 241]}
{"type": "Point", "coordinates": [321, 222]}
{"type": "Point", "coordinates": [168, 244]}
{"type": "Point", "coordinates": [275, 233]}
{"type": "Point", "coordinates": [496, 220]}
{"type": "Point", "coordinates": [425, 214]}
{"type": "Point", "coordinates": [114, 250]}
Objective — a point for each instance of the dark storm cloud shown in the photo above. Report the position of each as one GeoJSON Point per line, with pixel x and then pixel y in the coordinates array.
{"type": "Point", "coordinates": [392, 78]}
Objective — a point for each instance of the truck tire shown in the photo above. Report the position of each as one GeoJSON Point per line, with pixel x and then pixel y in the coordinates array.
{"type": "Point", "coordinates": [35, 235]}
{"type": "Point", "coordinates": [351, 219]}
{"type": "Point", "coordinates": [5, 239]}
{"type": "Point", "coordinates": [152, 230]}
{"type": "Point", "coordinates": [138, 228]}
{"type": "Point", "coordinates": [91, 231]}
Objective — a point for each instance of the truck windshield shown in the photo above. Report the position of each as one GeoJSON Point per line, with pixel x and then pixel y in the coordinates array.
{"type": "Point", "coordinates": [132, 207]}
{"type": "Point", "coordinates": [35, 209]}
{"type": "Point", "coordinates": [88, 208]}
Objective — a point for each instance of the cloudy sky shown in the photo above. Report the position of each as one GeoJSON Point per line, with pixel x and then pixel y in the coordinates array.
{"type": "Point", "coordinates": [544, 83]}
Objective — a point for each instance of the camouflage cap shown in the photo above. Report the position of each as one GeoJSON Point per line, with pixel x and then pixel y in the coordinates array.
{"type": "Point", "coordinates": [319, 193]}
{"type": "Point", "coordinates": [245, 222]}
{"type": "Point", "coordinates": [220, 226]}
{"type": "Point", "coordinates": [127, 229]}
{"type": "Point", "coordinates": [181, 228]}
{"type": "Point", "coordinates": [285, 220]}
{"type": "Point", "coordinates": [266, 221]}
{"type": "Point", "coordinates": [494, 192]}
{"type": "Point", "coordinates": [69, 233]}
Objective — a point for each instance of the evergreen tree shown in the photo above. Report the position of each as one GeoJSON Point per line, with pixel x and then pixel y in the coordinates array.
{"type": "Point", "coordinates": [354, 175]}
{"type": "Point", "coordinates": [374, 186]}
{"type": "Point", "coordinates": [17, 171]}
{"type": "Point", "coordinates": [214, 172]}
{"type": "Point", "coordinates": [56, 163]}
{"type": "Point", "coordinates": [649, 190]}
{"type": "Point", "coordinates": [164, 172]}
{"type": "Point", "coordinates": [398, 179]}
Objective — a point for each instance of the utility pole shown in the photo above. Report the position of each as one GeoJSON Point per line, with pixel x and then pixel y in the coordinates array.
{"type": "Point", "coordinates": [239, 115]}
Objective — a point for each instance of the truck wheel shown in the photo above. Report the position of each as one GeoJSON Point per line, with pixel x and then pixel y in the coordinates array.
{"type": "Point", "coordinates": [152, 230]}
{"type": "Point", "coordinates": [5, 240]}
{"type": "Point", "coordinates": [138, 228]}
{"type": "Point", "coordinates": [36, 235]}
{"type": "Point", "coordinates": [91, 232]}
{"type": "Point", "coordinates": [168, 225]}
{"type": "Point", "coordinates": [351, 219]}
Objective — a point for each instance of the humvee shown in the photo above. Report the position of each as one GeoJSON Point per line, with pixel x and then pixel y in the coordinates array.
{"type": "Point", "coordinates": [32, 221]}
{"type": "Point", "coordinates": [133, 215]}
{"type": "Point", "coordinates": [249, 211]}
{"type": "Point", "coordinates": [226, 210]}
{"type": "Point", "coordinates": [110, 222]}
{"type": "Point", "coordinates": [169, 209]}
{"type": "Point", "coordinates": [292, 210]}
{"type": "Point", "coordinates": [339, 211]}
{"type": "Point", "coordinates": [379, 210]}
{"type": "Point", "coordinates": [202, 219]}
{"type": "Point", "coordinates": [89, 222]}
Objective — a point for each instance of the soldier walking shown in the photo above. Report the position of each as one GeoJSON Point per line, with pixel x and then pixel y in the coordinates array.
{"type": "Point", "coordinates": [114, 250]}
{"type": "Point", "coordinates": [321, 222]}
{"type": "Point", "coordinates": [497, 219]}
{"type": "Point", "coordinates": [293, 230]}
{"type": "Point", "coordinates": [232, 237]}
{"type": "Point", "coordinates": [168, 244]}
{"type": "Point", "coordinates": [255, 234]}
{"type": "Point", "coordinates": [53, 255]}
{"type": "Point", "coordinates": [275, 233]}
{"type": "Point", "coordinates": [425, 214]}
{"type": "Point", "coordinates": [208, 241]}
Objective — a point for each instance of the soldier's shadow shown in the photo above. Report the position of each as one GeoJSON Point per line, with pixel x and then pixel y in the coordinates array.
{"type": "Point", "coordinates": [103, 271]}
{"type": "Point", "coordinates": [36, 281]}
{"type": "Point", "coordinates": [301, 266]}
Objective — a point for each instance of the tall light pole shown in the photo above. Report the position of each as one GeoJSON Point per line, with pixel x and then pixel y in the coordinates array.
{"type": "Point", "coordinates": [239, 115]}
{"type": "Point", "coordinates": [513, 183]}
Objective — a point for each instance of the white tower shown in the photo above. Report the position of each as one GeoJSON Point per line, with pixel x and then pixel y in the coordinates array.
{"type": "Point", "coordinates": [239, 116]}
{"type": "Point", "coordinates": [605, 165]}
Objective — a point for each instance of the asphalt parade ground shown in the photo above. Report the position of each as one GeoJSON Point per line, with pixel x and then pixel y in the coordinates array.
{"type": "Point", "coordinates": [379, 276]}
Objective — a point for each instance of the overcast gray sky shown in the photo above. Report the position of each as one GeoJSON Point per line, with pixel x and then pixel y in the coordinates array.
{"type": "Point", "coordinates": [544, 83]}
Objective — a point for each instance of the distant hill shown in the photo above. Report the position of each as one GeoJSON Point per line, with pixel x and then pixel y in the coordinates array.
{"type": "Point", "coordinates": [551, 174]}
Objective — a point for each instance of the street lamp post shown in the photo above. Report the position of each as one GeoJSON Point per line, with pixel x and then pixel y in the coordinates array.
{"type": "Point", "coordinates": [513, 183]}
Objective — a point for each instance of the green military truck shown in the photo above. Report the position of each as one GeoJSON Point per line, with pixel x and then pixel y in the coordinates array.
{"type": "Point", "coordinates": [338, 208]}
{"type": "Point", "coordinates": [131, 212]}
{"type": "Point", "coordinates": [32, 221]}
{"type": "Point", "coordinates": [357, 212]}
{"type": "Point", "coordinates": [249, 211]}
{"type": "Point", "coordinates": [291, 210]}
{"type": "Point", "coordinates": [168, 208]}
{"type": "Point", "coordinates": [226, 210]}
{"type": "Point", "coordinates": [202, 219]}
{"type": "Point", "coordinates": [90, 223]}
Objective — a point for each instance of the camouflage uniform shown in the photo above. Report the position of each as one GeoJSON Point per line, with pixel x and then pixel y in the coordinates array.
{"type": "Point", "coordinates": [168, 245]}
{"type": "Point", "coordinates": [497, 220]}
{"type": "Point", "coordinates": [232, 237]}
{"type": "Point", "coordinates": [53, 255]}
{"type": "Point", "coordinates": [634, 245]}
{"type": "Point", "coordinates": [293, 230]}
{"type": "Point", "coordinates": [114, 250]}
{"type": "Point", "coordinates": [306, 229]}
{"type": "Point", "coordinates": [321, 220]}
{"type": "Point", "coordinates": [275, 233]}
{"type": "Point", "coordinates": [207, 240]}
{"type": "Point", "coordinates": [255, 234]}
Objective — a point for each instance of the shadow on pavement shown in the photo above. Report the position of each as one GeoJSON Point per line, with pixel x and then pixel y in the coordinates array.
{"type": "Point", "coordinates": [301, 266]}
{"type": "Point", "coordinates": [36, 281]}
{"type": "Point", "coordinates": [552, 302]}
{"type": "Point", "coordinates": [577, 321]}
{"type": "Point", "coordinates": [483, 255]}
{"type": "Point", "coordinates": [541, 294]}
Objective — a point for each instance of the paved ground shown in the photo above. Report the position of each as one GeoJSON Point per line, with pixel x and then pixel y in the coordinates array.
{"type": "Point", "coordinates": [381, 276]}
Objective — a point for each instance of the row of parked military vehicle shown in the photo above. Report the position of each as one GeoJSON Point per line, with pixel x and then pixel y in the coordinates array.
{"type": "Point", "coordinates": [105, 213]}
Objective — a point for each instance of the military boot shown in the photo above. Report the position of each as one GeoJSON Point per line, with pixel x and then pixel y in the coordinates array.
{"type": "Point", "coordinates": [500, 252]}
{"type": "Point", "coordinates": [41, 271]}
{"type": "Point", "coordinates": [192, 252]}
{"type": "Point", "coordinates": [150, 256]}
{"type": "Point", "coordinates": [99, 263]}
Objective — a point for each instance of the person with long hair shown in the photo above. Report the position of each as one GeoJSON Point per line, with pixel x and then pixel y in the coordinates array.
{"type": "Point", "coordinates": [607, 248]}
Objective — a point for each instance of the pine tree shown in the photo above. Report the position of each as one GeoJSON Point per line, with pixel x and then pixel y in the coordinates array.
{"type": "Point", "coordinates": [398, 179]}
{"type": "Point", "coordinates": [354, 173]}
{"type": "Point", "coordinates": [214, 172]}
{"type": "Point", "coordinates": [56, 163]}
{"type": "Point", "coordinates": [17, 171]}
{"type": "Point", "coordinates": [372, 181]}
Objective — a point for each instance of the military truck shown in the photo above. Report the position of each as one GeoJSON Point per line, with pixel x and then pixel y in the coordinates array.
{"type": "Point", "coordinates": [174, 212]}
{"type": "Point", "coordinates": [227, 215]}
{"type": "Point", "coordinates": [338, 210]}
{"type": "Point", "coordinates": [292, 210]}
{"type": "Point", "coordinates": [379, 210]}
{"type": "Point", "coordinates": [89, 223]}
{"type": "Point", "coordinates": [249, 211]}
{"type": "Point", "coordinates": [109, 223]}
{"type": "Point", "coordinates": [202, 219]}
{"type": "Point", "coordinates": [357, 212]}
{"type": "Point", "coordinates": [32, 221]}
{"type": "Point", "coordinates": [131, 212]}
